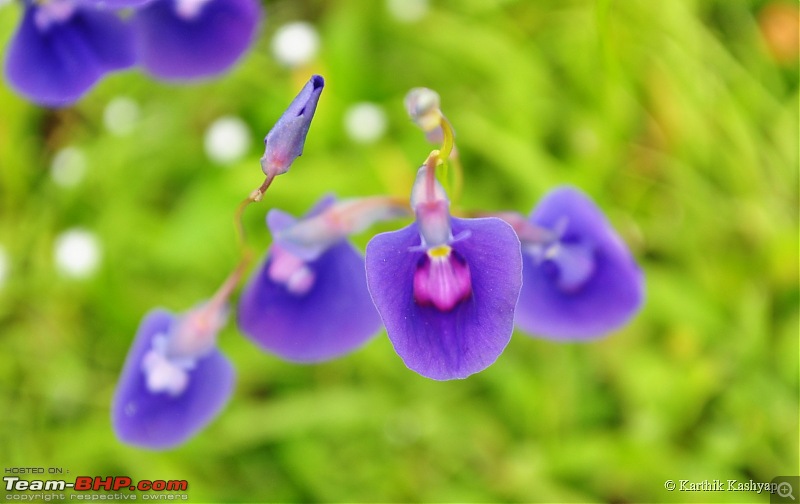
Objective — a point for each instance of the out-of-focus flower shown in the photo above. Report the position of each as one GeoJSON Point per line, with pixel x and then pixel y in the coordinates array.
{"type": "Point", "coordinates": [308, 302]}
{"type": "Point", "coordinates": [284, 142]}
{"type": "Point", "coordinates": [62, 48]}
{"type": "Point", "coordinates": [190, 39]}
{"type": "Point", "coordinates": [445, 287]}
{"type": "Point", "coordinates": [174, 381]}
{"type": "Point", "coordinates": [580, 281]}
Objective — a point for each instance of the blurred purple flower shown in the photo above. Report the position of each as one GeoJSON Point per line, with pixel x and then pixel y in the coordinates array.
{"type": "Point", "coordinates": [115, 4]}
{"type": "Point", "coordinates": [174, 381]}
{"type": "Point", "coordinates": [445, 288]}
{"type": "Point", "coordinates": [284, 142]}
{"type": "Point", "coordinates": [580, 281]}
{"type": "Point", "coordinates": [62, 48]}
{"type": "Point", "coordinates": [190, 39]}
{"type": "Point", "coordinates": [308, 302]}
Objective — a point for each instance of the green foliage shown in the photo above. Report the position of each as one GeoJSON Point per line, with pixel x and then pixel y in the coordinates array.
{"type": "Point", "coordinates": [671, 115]}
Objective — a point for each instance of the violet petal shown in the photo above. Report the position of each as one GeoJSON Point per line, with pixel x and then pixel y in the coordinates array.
{"type": "Point", "coordinates": [56, 64]}
{"type": "Point", "coordinates": [471, 336]}
{"type": "Point", "coordinates": [175, 47]}
{"type": "Point", "coordinates": [158, 420]}
{"type": "Point", "coordinates": [606, 300]}
{"type": "Point", "coordinates": [334, 317]}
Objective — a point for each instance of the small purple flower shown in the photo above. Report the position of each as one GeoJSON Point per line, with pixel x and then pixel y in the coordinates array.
{"type": "Point", "coordinates": [62, 48]}
{"type": "Point", "coordinates": [174, 381]}
{"type": "Point", "coordinates": [284, 142]}
{"type": "Point", "coordinates": [308, 302]}
{"type": "Point", "coordinates": [190, 39]}
{"type": "Point", "coordinates": [445, 288]}
{"type": "Point", "coordinates": [579, 279]}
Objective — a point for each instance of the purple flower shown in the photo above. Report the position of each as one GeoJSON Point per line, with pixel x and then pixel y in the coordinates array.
{"type": "Point", "coordinates": [174, 381]}
{"type": "Point", "coordinates": [308, 302]}
{"type": "Point", "coordinates": [284, 142]}
{"type": "Point", "coordinates": [445, 288]}
{"type": "Point", "coordinates": [579, 279]}
{"type": "Point", "coordinates": [189, 39]}
{"type": "Point", "coordinates": [61, 48]}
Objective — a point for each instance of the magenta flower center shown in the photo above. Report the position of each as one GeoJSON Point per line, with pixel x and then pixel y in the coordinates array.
{"type": "Point", "coordinates": [442, 279]}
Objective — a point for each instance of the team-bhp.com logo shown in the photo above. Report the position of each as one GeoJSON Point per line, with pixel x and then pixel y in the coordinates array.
{"type": "Point", "coordinates": [88, 483]}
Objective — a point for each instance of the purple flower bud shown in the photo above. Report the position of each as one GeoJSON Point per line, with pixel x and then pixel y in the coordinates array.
{"type": "Point", "coordinates": [174, 381]}
{"type": "Point", "coordinates": [284, 142]}
{"type": "Point", "coordinates": [308, 301]}
{"type": "Point", "coordinates": [180, 40]}
{"type": "Point", "coordinates": [579, 279]}
{"type": "Point", "coordinates": [61, 49]}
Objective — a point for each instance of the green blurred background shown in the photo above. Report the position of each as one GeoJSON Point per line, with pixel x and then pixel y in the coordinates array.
{"type": "Point", "coordinates": [679, 117]}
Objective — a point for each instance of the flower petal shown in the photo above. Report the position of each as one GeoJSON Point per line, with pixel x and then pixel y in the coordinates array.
{"type": "Point", "coordinates": [468, 338]}
{"type": "Point", "coordinates": [55, 65]}
{"type": "Point", "coordinates": [172, 46]}
{"type": "Point", "coordinates": [114, 4]}
{"type": "Point", "coordinates": [607, 299]}
{"type": "Point", "coordinates": [334, 317]}
{"type": "Point", "coordinates": [159, 420]}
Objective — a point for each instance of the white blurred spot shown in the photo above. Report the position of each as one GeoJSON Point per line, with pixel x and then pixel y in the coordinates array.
{"type": "Point", "coordinates": [295, 43]}
{"type": "Point", "coordinates": [121, 115]}
{"type": "Point", "coordinates": [407, 10]}
{"type": "Point", "coordinates": [3, 3]}
{"type": "Point", "coordinates": [4, 267]}
{"type": "Point", "coordinates": [227, 140]}
{"type": "Point", "coordinates": [365, 122]}
{"type": "Point", "coordinates": [77, 253]}
{"type": "Point", "coordinates": [68, 167]}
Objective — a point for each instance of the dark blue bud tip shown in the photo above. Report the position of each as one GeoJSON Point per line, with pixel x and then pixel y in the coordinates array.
{"type": "Point", "coordinates": [317, 82]}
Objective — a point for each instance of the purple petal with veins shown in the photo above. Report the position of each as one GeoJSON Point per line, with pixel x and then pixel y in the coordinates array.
{"type": "Point", "coordinates": [584, 284]}
{"type": "Point", "coordinates": [445, 343]}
